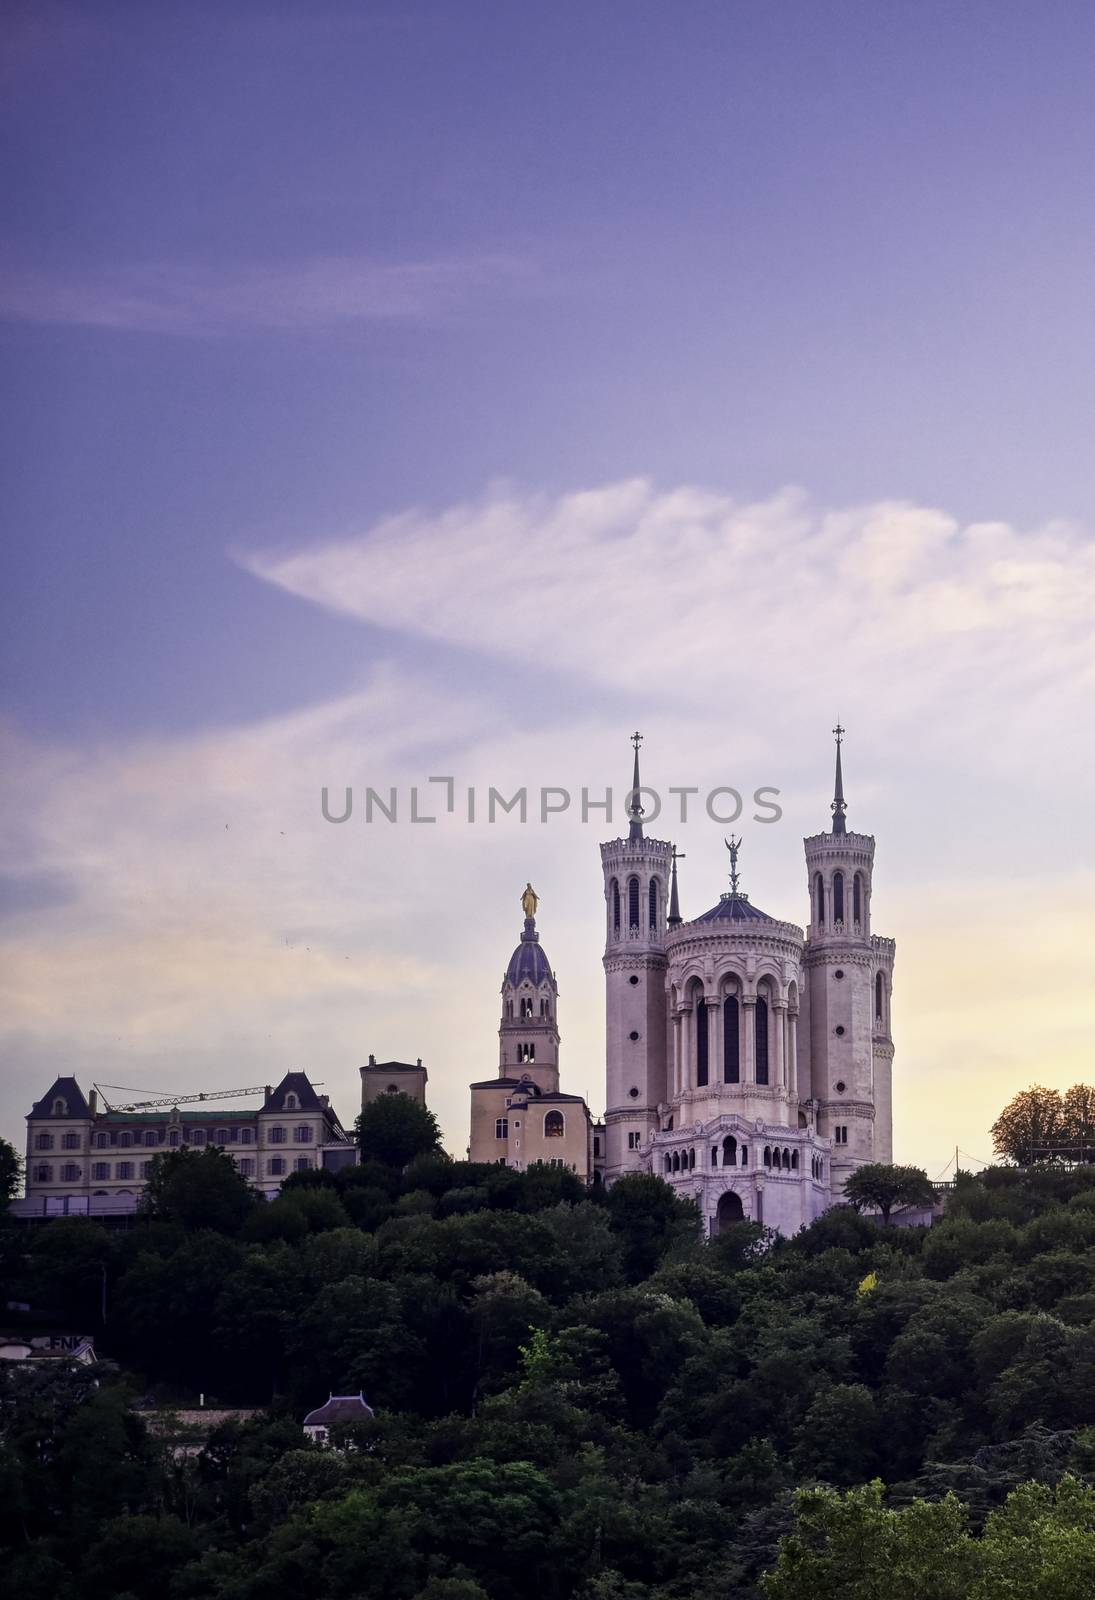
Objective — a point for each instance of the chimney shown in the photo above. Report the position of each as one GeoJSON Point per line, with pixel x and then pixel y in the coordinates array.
{"type": "Point", "coordinates": [372, 1061]}
{"type": "Point", "coordinates": [92, 1102]}
{"type": "Point", "coordinates": [418, 1063]}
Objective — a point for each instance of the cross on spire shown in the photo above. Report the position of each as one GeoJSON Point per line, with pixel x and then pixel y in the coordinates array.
{"type": "Point", "coordinates": [635, 810]}
{"type": "Point", "coordinates": [838, 807]}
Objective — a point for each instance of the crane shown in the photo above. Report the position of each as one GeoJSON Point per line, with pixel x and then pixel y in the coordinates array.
{"type": "Point", "coordinates": [173, 1099]}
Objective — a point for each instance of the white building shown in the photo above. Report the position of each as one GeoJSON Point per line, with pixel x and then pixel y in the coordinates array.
{"type": "Point", "coordinates": [748, 1062]}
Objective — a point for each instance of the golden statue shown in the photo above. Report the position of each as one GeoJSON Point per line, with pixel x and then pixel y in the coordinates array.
{"type": "Point", "coordinates": [530, 900]}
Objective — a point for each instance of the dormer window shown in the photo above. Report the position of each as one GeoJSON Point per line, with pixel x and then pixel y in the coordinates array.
{"type": "Point", "coordinates": [60, 1107]}
{"type": "Point", "coordinates": [292, 1102]}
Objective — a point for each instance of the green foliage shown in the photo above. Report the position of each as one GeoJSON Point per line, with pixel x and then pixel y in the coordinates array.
{"type": "Point", "coordinates": [574, 1392]}
{"type": "Point", "coordinates": [11, 1173]}
{"type": "Point", "coordinates": [878, 1184]}
{"type": "Point", "coordinates": [198, 1189]}
{"type": "Point", "coordinates": [395, 1129]}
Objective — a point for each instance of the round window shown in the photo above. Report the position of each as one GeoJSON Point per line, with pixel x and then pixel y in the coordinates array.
{"type": "Point", "coordinates": [841, 1086]}
{"type": "Point", "coordinates": [634, 1093]}
{"type": "Point", "coordinates": [633, 1035]}
{"type": "Point", "coordinates": [839, 1030]}
{"type": "Point", "coordinates": [633, 979]}
{"type": "Point", "coordinates": [839, 973]}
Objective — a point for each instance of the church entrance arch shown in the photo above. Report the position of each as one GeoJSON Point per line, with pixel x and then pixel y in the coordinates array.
{"type": "Point", "coordinates": [730, 1210]}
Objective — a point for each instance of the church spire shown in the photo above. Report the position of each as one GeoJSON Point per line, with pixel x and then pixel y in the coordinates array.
{"type": "Point", "coordinates": [635, 810]}
{"type": "Point", "coordinates": [674, 918]}
{"type": "Point", "coordinates": [838, 807]}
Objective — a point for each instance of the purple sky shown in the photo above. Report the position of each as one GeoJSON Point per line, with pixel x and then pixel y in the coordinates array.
{"type": "Point", "coordinates": [271, 274]}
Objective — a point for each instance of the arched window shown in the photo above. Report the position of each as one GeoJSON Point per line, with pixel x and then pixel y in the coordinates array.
{"type": "Point", "coordinates": [857, 897]}
{"type": "Point", "coordinates": [247, 1136]}
{"type": "Point", "coordinates": [745, 1155]}
{"type": "Point", "coordinates": [730, 1151]}
{"type": "Point", "coordinates": [633, 902]}
{"type": "Point", "coordinates": [526, 1052]}
{"type": "Point", "coordinates": [554, 1125]}
{"type": "Point", "coordinates": [221, 1136]}
{"type": "Point", "coordinates": [767, 1156]}
{"type": "Point", "coordinates": [787, 1161]}
{"type": "Point", "coordinates": [653, 897]}
{"type": "Point", "coordinates": [676, 1161]}
{"type": "Point", "coordinates": [794, 1160]}
{"type": "Point", "coordinates": [174, 1136]}
{"type": "Point", "coordinates": [501, 1127]}
{"type": "Point", "coordinates": [762, 1039]}
{"type": "Point", "coordinates": [714, 1155]}
{"type": "Point", "coordinates": [731, 1058]}
{"type": "Point", "coordinates": [669, 1163]}
{"type": "Point", "coordinates": [102, 1140]}
{"type": "Point", "coordinates": [152, 1136]}
{"type": "Point", "coordinates": [819, 898]}
{"type": "Point", "coordinates": [615, 891]}
{"type": "Point", "coordinates": [526, 1007]}
{"type": "Point", "coordinates": [878, 995]}
{"type": "Point", "coordinates": [291, 1103]}
{"type": "Point", "coordinates": [838, 897]}
{"type": "Point", "coordinates": [691, 1159]}
{"type": "Point", "coordinates": [125, 1139]}
{"type": "Point", "coordinates": [701, 1043]}
{"type": "Point", "coordinates": [60, 1107]}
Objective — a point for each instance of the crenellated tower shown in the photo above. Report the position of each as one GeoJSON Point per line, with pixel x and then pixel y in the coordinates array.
{"type": "Point", "coordinates": [637, 873]}
{"type": "Point", "coordinates": [845, 1044]}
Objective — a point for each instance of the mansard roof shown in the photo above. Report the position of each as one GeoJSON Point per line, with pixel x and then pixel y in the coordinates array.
{"type": "Point", "coordinates": [68, 1090]}
{"type": "Point", "coordinates": [299, 1084]}
{"type": "Point", "coordinates": [339, 1408]}
{"type": "Point", "coordinates": [735, 908]}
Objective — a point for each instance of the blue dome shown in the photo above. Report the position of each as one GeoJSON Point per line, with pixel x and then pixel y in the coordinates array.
{"type": "Point", "coordinates": [528, 961]}
{"type": "Point", "coordinates": [734, 908]}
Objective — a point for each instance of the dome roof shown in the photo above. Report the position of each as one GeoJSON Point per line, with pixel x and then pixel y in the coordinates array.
{"type": "Point", "coordinates": [528, 961]}
{"type": "Point", "coordinates": [734, 908]}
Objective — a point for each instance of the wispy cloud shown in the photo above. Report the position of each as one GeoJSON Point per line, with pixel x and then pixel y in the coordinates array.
{"type": "Point", "coordinates": [895, 610]}
{"type": "Point", "coordinates": [195, 300]}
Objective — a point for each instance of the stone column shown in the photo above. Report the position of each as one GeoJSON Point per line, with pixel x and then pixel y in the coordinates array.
{"type": "Point", "coordinates": [675, 1079]}
{"type": "Point", "coordinates": [780, 1032]}
{"type": "Point", "coordinates": [688, 1050]}
{"type": "Point", "coordinates": [714, 1042]}
{"type": "Point", "coordinates": [749, 1065]}
{"type": "Point", "coordinates": [792, 1051]}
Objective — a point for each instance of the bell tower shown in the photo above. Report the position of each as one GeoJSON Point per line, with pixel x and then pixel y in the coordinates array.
{"type": "Point", "coordinates": [528, 1034]}
{"type": "Point", "coordinates": [849, 971]}
{"type": "Point", "coordinates": [637, 873]}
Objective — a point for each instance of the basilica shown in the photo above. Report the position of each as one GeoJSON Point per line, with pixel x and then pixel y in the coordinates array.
{"type": "Point", "coordinates": [748, 1062]}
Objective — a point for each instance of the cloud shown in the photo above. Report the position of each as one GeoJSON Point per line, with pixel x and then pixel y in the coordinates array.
{"type": "Point", "coordinates": [325, 291]}
{"type": "Point", "coordinates": [891, 611]}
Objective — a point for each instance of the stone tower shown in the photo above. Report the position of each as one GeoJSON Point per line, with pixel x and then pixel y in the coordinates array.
{"type": "Point", "coordinates": [846, 1019]}
{"type": "Point", "coordinates": [528, 1034]}
{"type": "Point", "coordinates": [636, 883]}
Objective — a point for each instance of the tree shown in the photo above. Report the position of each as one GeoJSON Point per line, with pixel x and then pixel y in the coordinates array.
{"type": "Point", "coordinates": [884, 1186]}
{"type": "Point", "coordinates": [852, 1547]}
{"type": "Point", "coordinates": [649, 1219]}
{"type": "Point", "coordinates": [199, 1189]}
{"type": "Point", "coordinates": [11, 1173]}
{"type": "Point", "coordinates": [395, 1129]}
{"type": "Point", "coordinates": [1029, 1126]}
{"type": "Point", "coordinates": [1078, 1108]}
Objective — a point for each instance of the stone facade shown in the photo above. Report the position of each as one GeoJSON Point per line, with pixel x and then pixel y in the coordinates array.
{"type": "Point", "coordinates": [522, 1117]}
{"type": "Point", "coordinates": [77, 1151]}
{"type": "Point", "coordinates": [778, 1055]}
